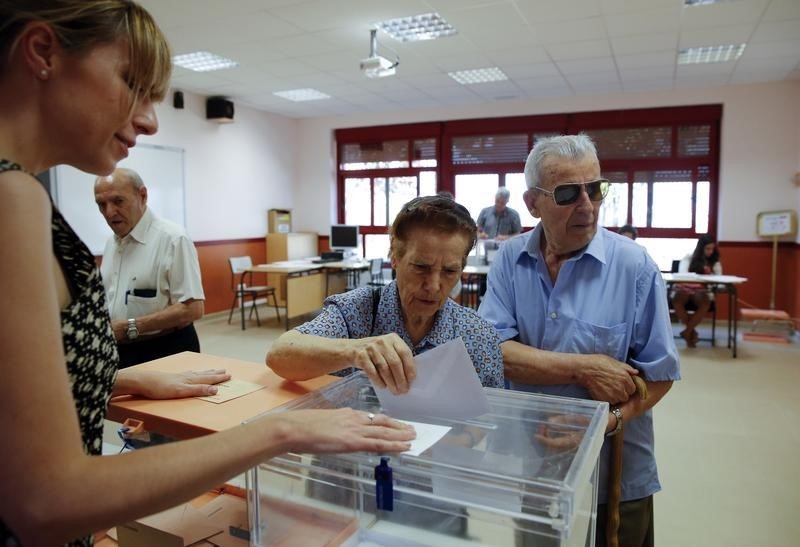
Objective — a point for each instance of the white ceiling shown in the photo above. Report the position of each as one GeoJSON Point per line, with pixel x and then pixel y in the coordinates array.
{"type": "Point", "coordinates": [548, 48]}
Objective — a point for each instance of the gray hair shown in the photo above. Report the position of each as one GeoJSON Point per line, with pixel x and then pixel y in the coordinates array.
{"type": "Point", "coordinates": [571, 147]}
{"type": "Point", "coordinates": [503, 193]}
{"type": "Point", "coordinates": [131, 176]}
{"type": "Point", "coordinates": [123, 174]}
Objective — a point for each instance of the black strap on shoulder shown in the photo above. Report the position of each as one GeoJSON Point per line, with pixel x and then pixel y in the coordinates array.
{"type": "Point", "coordinates": [6, 165]}
{"type": "Point", "coordinates": [376, 300]}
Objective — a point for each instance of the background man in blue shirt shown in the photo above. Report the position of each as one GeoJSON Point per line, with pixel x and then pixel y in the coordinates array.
{"type": "Point", "coordinates": [579, 311]}
{"type": "Point", "coordinates": [499, 221]}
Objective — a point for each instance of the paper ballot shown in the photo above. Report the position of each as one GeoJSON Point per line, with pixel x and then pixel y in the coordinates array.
{"type": "Point", "coordinates": [446, 386]}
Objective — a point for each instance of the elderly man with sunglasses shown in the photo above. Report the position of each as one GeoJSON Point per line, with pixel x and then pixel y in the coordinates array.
{"type": "Point", "coordinates": [580, 311]}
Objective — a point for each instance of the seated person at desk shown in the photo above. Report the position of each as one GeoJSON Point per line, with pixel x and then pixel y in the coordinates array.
{"type": "Point", "coordinates": [704, 261]}
{"type": "Point", "coordinates": [379, 332]}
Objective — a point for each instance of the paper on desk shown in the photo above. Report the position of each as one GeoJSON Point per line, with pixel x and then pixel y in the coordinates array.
{"type": "Point", "coordinates": [231, 389]}
{"type": "Point", "coordinates": [427, 436]}
{"type": "Point", "coordinates": [446, 386]}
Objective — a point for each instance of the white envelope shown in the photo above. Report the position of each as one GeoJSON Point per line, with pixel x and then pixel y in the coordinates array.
{"type": "Point", "coordinates": [446, 386]}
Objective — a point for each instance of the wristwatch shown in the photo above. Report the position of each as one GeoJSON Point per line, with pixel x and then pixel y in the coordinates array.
{"type": "Point", "coordinates": [132, 333]}
{"type": "Point", "coordinates": [616, 411]}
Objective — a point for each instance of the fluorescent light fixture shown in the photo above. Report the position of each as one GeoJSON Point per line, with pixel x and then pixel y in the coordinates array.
{"type": "Point", "coordinates": [427, 26]}
{"type": "Point", "coordinates": [305, 94]}
{"type": "Point", "coordinates": [703, 2]}
{"type": "Point", "coordinates": [376, 65]}
{"type": "Point", "coordinates": [710, 54]}
{"type": "Point", "coordinates": [203, 61]}
{"type": "Point", "coordinates": [478, 76]}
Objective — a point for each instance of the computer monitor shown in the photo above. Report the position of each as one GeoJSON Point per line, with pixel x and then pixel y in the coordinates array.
{"type": "Point", "coordinates": [344, 237]}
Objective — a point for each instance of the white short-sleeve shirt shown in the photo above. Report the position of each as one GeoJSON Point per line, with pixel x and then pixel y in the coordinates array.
{"type": "Point", "coordinates": [151, 268]}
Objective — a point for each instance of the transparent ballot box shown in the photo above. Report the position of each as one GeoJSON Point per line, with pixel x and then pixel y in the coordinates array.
{"type": "Point", "coordinates": [525, 473]}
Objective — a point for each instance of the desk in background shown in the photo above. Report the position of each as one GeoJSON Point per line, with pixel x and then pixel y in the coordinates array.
{"type": "Point", "coordinates": [473, 284]}
{"type": "Point", "coordinates": [304, 284]}
{"type": "Point", "coordinates": [717, 284]}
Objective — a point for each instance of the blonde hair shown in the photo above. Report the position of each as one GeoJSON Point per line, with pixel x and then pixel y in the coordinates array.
{"type": "Point", "coordinates": [80, 25]}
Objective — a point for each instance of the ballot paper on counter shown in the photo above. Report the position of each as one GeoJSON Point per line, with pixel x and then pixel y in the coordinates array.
{"type": "Point", "coordinates": [232, 389]}
{"type": "Point", "coordinates": [446, 386]}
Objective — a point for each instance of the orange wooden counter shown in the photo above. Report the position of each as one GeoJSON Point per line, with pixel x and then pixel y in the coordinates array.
{"type": "Point", "coordinates": [191, 417]}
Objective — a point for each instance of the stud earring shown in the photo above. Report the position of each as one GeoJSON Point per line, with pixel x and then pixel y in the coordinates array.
{"type": "Point", "coordinates": [44, 74]}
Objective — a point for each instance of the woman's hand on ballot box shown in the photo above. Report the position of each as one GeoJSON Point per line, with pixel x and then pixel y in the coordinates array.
{"type": "Point", "coordinates": [343, 430]}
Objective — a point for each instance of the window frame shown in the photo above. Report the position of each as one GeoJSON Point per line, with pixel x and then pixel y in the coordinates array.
{"type": "Point", "coordinates": [571, 123]}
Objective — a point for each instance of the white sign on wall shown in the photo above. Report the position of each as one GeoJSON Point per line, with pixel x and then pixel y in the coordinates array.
{"type": "Point", "coordinates": [776, 223]}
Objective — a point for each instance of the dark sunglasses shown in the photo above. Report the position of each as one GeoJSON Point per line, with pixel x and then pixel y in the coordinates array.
{"type": "Point", "coordinates": [567, 194]}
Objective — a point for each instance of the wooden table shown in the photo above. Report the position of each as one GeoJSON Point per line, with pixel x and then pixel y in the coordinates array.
{"type": "Point", "coordinates": [192, 417]}
{"type": "Point", "coordinates": [473, 284]}
{"type": "Point", "coordinates": [351, 268]}
{"type": "Point", "coordinates": [717, 284]}
{"type": "Point", "coordinates": [304, 284]}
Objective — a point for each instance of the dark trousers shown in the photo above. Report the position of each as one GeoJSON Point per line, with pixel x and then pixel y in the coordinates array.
{"type": "Point", "coordinates": [147, 349]}
{"type": "Point", "coordinates": [635, 527]}
{"type": "Point", "coordinates": [635, 523]}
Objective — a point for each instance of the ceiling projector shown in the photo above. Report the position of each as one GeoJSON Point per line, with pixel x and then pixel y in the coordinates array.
{"type": "Point", "coordinates": [378, 67]}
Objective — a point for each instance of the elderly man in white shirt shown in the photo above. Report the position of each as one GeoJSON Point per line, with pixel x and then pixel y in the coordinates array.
{"type": "Point", "coordinates": [151, 274]}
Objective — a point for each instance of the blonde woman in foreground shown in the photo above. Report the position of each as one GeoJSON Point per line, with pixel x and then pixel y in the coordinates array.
{"type": "Point", "coordinates": [77, 85]}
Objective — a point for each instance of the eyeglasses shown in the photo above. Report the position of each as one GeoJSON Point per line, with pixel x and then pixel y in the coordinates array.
{"type": "Point", "coordinates": [567, 194]}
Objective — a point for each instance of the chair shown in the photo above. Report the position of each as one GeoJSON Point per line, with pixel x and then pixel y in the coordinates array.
{"type": "Point", "coordinates": [376, 273]}
{"type": "Point", "coordinates": [241, 284]}
{"type": "Point", "coordinates": [471, 290]}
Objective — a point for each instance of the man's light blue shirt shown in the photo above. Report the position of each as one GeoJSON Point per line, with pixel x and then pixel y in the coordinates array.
{"type": "Point", "coordinates": [608, 299]}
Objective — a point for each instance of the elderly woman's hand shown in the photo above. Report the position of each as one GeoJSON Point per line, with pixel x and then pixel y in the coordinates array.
{"type": "Point", "coordinates": [387, 360]}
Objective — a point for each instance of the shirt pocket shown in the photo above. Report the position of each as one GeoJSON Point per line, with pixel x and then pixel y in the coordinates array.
{"type": "Point", "coordinates": [140, 305]}
{"type": "Point", "coordinates": [604, 340]}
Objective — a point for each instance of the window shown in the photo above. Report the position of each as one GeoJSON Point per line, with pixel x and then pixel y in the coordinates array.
{"type": "Point", "coordinates": [662, 164]}
{"type": "Point", "coordinates": [377, 176]}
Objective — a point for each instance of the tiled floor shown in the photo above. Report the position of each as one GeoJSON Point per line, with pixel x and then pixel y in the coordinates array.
{"type": "Point", "coordinates": [727, 438]}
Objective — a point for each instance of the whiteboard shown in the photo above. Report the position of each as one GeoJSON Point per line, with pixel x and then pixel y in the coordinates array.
{"type": "Point", "coordinates": [161, 169]}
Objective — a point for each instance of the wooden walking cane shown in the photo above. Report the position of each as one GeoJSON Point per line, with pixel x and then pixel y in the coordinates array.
{"type": "Point", "coordinates": [615, 475]}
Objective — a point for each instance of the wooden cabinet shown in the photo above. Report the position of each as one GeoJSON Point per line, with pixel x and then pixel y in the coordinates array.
{"type": "Point", "coordinates": [291, 246]}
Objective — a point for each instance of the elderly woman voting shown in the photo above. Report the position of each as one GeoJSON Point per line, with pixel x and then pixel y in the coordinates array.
{"type": "Point", "coordinates": [380, 331]}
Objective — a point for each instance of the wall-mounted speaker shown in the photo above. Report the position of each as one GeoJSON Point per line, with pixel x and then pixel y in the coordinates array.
{"type": "Point", "coordinates": [177, 99]}
{"type": "Point", "coordinates": [219, 109]}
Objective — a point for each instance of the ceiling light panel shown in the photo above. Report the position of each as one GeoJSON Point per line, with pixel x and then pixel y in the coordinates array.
{"type": "Point", "coordinates": [427, 26]}
{"type": "Point", "coordinates": [710, 54]}
{"type": "Point", "coordinates": [478, 76]}
{"type": "Point", "coordinates": [299, 95]}
{"type": "Point", "coordinates": [703, 2]}
{"type": "Point", "coordinates": [203, 61]}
